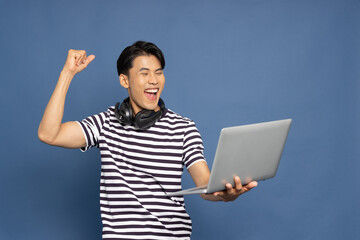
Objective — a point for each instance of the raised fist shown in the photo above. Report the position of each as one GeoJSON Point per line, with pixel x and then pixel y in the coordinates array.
{"type": "Point", "coordinates": [76, 61]}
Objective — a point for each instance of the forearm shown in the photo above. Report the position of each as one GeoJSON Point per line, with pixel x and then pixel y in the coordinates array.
{"type": "Point", "coordinates": [200, 174]}
{"type": "Point", "coordinates": [51, 122]}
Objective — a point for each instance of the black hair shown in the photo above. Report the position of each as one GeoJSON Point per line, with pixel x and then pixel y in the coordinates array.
{"type": "Point", "coordinates": [139, 48]}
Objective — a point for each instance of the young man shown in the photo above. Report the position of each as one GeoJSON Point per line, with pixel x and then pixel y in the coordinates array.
{"type": "Point", "coordinates": [143, 146]}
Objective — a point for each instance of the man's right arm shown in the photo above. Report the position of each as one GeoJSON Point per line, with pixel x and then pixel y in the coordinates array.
{"type": "Point", "coordinates": [51, 129]}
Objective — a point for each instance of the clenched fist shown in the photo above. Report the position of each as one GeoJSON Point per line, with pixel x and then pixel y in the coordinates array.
{"type": "Point", "coordinates": [76, 61]}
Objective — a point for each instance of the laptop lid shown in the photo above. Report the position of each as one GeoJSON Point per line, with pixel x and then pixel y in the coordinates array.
{"type": "Point", "coordinates": [252, 152]}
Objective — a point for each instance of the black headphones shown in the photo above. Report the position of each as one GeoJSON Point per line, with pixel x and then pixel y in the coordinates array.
{"type": "Point", "coordinates": [142, 120]}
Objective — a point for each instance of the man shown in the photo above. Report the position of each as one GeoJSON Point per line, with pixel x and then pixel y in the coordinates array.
{"type": "Point", "coordinates": [143, 146]}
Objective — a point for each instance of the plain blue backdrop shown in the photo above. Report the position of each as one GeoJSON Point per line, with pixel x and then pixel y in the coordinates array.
{"type": "Point", "coordinates": [227, 63]}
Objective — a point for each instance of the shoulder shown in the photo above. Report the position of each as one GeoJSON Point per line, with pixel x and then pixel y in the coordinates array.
{"type": "Point", "coordinates": [173, 120]}
{"type": "Point", "coordinates": [101, 117]}
{"type": "Point", "coordinates": [174, 117]}
{"type": "Point", "coordinates": [109, 113]}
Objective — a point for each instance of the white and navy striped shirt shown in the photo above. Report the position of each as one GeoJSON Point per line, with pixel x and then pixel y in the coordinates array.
{"type": "Point", "coordinates": [137, 169]}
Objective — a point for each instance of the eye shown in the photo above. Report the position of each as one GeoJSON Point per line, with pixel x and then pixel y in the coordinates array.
{"type": "Point", "coordinates": [144, 74]}
{"type": "Point", "coordinates": [159, 73]}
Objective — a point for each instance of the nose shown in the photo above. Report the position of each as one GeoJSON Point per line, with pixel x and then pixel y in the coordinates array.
{"type": "Point", "coordinates": [153, 79]}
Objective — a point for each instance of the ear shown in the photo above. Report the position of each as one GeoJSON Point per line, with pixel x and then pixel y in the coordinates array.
{"type": "Point", "coordinates": [124, 81]}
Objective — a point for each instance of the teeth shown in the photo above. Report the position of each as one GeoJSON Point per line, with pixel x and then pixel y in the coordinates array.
{"type": "Point", "coordinates": [151, 90]}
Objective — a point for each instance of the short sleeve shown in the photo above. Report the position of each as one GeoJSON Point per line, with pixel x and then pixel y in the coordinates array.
{"type": "Point", "coordinates": [193, 146]}
{"type": "Point", "coordinates": [91, 127]}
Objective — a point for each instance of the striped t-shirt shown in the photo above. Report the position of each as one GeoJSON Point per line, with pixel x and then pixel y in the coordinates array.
{"type": "Point", "coordinates": [137, 169]}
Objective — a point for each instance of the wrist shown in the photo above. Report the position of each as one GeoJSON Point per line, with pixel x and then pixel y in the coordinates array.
{"type": "Point", "coordinates": [66, 75]}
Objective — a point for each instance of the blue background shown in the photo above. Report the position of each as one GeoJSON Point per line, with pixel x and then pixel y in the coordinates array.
{"type": "Point", "coordinates": [227, 63]}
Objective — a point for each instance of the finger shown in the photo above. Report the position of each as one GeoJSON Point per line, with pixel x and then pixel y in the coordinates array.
{"type": "Point", "coordinates": [250, 185]}
{"type": "Point", "coordinates": [238, 184]}
{"type": "Point", "coordinates": [83, 57]}
{"type": "Point", "coordinates": [216, 194]}
{"type": "Point", "coordinates": [229, 188]}
{"type": "Point", "coordinates": [79, 56]}
{"type": "Point", "coordinates": [219, 193]}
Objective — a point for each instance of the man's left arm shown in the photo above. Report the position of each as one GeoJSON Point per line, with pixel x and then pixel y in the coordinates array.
{"type": "Point", "coordinates": [200, 174]}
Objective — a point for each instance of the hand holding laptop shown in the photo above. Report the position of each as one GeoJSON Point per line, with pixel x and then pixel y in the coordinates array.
{"type": "Point", "coordinates": [231, 193]}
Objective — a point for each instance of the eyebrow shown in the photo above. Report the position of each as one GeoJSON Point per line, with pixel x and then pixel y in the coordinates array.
{"type": "Point", "coordinates": [146, 69]}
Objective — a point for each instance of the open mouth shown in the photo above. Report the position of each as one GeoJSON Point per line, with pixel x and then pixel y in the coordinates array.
{"type": "Point", "coordinates": [151, 93]}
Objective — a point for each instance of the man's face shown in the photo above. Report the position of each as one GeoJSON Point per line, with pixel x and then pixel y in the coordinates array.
{"type": "Point", "coordinates": [145, 83]}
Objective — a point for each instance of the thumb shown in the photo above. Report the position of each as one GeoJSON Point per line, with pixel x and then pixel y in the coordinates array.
{"type": "Point", "coordinates": [86, 62]}
{"type": "Point", "coordinates": [89, 59]}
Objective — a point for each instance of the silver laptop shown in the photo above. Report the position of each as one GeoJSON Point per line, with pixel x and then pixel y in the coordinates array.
{"type": "Point", "coordinates": [251, 152]}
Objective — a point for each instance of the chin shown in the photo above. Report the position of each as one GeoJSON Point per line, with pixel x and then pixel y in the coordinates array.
{"type": "Point", "coordinates": [153, 107]}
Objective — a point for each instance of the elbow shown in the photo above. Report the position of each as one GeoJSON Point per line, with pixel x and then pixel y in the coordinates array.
{"type": "Point", "coordinates": [45, 138]}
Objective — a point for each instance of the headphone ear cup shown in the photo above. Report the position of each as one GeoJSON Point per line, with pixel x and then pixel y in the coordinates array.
{"type": "Point", "coordinates": [146, 118]}
{"type": "Point", "coordinates": [161, 104]}
{"type": "Point", "coordinates": [124, 112]}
